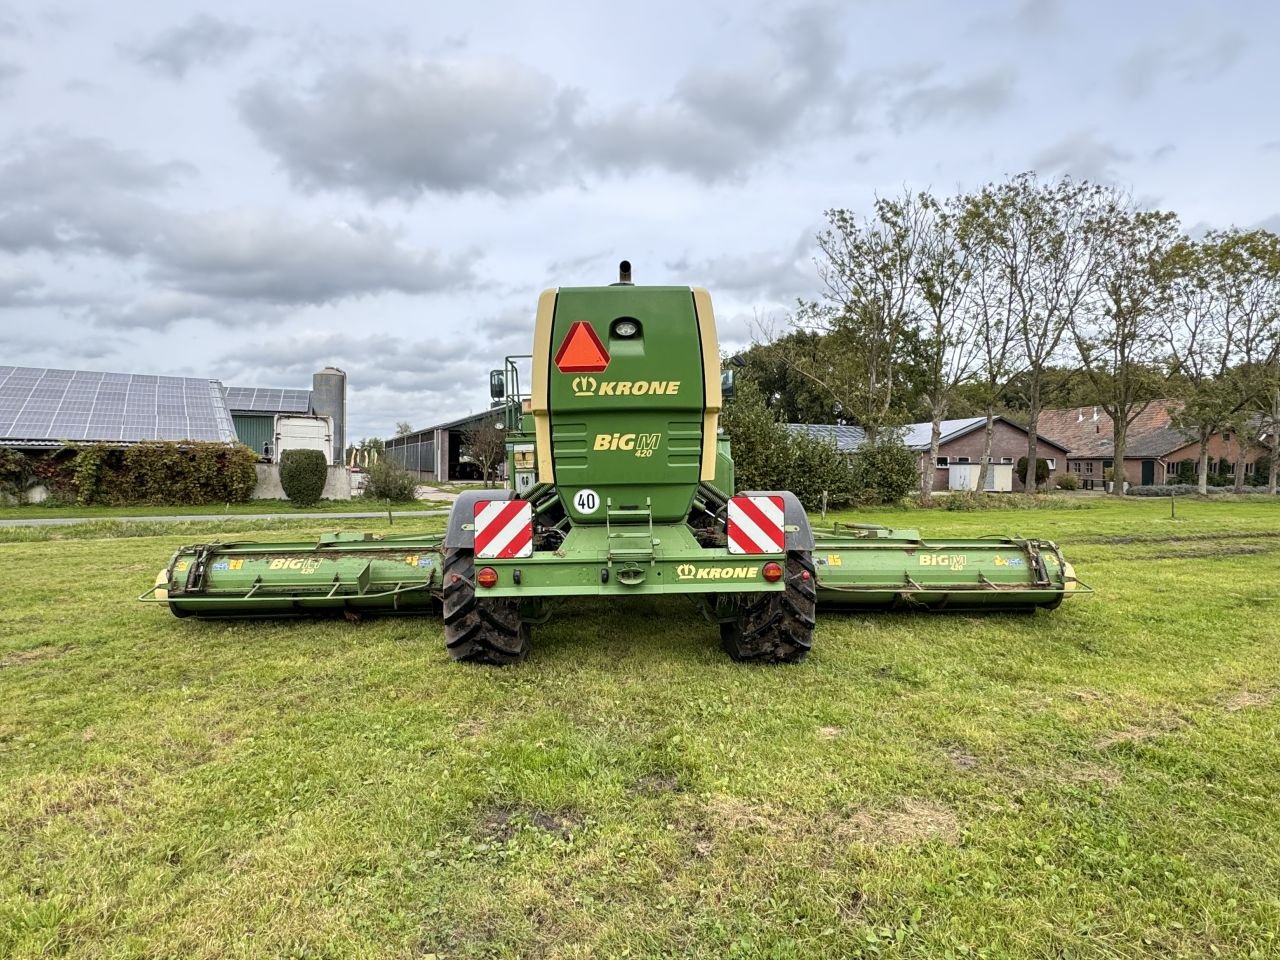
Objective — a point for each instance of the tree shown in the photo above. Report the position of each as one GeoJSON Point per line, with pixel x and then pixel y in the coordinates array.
{"type": "Point", "coordinates": [991, 300]}
{"type": "Point", "coordinates": [1269, 430]}
{"type": "Point", "coordinates": [1036, 239]}
{"type": "Point", "coordinates": [773, 367]}
{"type": "Point", "coordinates": [403, 428]}
{"type": "Point", "coordinates": [1115, 331]}
{"type": "Point", "coordinates": [1222, 328]}
{"type": "Point", "coordinates": [868, 271]}
{"type": "Point", "coordinates": [486, 444]}
{"type": "Point", "coordinates": [949, 345]}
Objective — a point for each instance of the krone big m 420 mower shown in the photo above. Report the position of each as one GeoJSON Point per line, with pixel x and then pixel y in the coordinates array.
{"type": "Point", "coordinates": [620, 486]}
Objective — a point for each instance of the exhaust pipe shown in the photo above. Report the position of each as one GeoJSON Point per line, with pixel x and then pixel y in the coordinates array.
{"type": "Point", "coordinates": [624, 274]}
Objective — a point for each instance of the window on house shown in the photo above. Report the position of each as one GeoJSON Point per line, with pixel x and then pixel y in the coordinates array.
{"type": "Point", "coordinates": [1226, 436]}
{"type": "Point", "coordinates": [1052, 462]}
{"type": "Point", "coordinates": [962, 459]}
{"type": "Point", "coordinates": [1075, 467]}
{"type": "Point", "coordinates": [1006, 459]}
{"type": "Point", "coordinates": [1088, 467]}
{"type": "Point", "coordinates": [942, 461]}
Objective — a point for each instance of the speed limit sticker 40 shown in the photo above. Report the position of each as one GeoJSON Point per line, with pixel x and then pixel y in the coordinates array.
{"type": "Point", "coordinates": [587, 501]}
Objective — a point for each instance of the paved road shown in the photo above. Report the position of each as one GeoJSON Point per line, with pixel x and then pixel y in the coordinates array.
{"type": "Point", "coordinates": [206, 517]}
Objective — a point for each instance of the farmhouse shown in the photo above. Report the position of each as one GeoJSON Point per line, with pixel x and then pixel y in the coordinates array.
{"type": "Point", "coordinates": [1156, 451]}
{"type": "Point", "coordinates": [960, 444]}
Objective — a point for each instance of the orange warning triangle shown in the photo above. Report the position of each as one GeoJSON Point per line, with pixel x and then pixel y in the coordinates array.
{"type": "Point", "coordinates": [581, 351]}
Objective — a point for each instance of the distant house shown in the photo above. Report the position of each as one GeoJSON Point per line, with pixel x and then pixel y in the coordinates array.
{"type": "Point", "coordinates": [961, 442]}
{"type": "Point", "coordinates": [1156, 451]}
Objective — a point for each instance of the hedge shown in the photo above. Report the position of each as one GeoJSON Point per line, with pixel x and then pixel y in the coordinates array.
{"type": "Point", "coordinates": [1184, 490]}
{"type": "Point", "coordinates": [157, 473]}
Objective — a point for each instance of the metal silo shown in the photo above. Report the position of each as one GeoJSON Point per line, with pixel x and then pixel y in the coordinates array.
{"type": "Point", "coordinates": [329, 399]}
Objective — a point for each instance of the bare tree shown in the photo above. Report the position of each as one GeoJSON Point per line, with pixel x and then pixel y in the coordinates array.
{"type": "Point", "coordinates": [486, 444]}
{"type": "Point", "coordinates": [1115, 331]}
{"type": "Point", "coordinates": [403, 428]}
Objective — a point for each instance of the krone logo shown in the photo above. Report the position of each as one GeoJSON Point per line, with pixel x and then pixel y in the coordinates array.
{"type": "Point", "coordinates": [687, 571]}
{"type": "Point", "coordinates": [590, 387]}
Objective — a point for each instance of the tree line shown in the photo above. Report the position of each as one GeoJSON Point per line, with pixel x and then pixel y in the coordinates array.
{"type": "Point", "coordinates": [1027, 293]}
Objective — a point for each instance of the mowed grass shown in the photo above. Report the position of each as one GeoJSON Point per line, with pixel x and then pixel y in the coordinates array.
{"type": "Point", "coordinates": [1101, 781]}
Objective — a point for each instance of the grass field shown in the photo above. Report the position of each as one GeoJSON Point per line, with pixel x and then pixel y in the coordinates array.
{"type": "Point", "coordinates": [1101, 781]}
{"type": "Point", "coordinates": [355, 505]}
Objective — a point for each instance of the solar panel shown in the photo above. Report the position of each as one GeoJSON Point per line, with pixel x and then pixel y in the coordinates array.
{"type": "Point", "coordinates": [46, 405]}
{"type": "Point", "coordinates": [268, 400]}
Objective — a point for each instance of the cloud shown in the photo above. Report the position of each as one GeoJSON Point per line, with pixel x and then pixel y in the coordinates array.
{"type": "Point", "coordinates": [1082, 155]}
{"type": "Point", "coordinates": [9, 73]}
{"type": "Point", "coordinates": [37, 351]}
{"type": "Point", "coordinates": [267, 256]}
{"type": "Point", "coordinates": [976, 98]}
{"type": "Point", "coordinates": [201, 41]}
{"type": "Point", "coordinates": [69, 196]}
{"type": "Point", "coordinates": [400, 130]}
{"type": "Point", "coordinates": [1189, 60]}
{"type": "Point", "coordinates": [1037, 16]}
{"type": "Point", "coordinates": [778, 276]}
{"type": "Point", "coordinates": [452, 126]}
{"type": "Point", "coordinates": [1029, 17]}
{"type": "Point", "coordinates": [59, 192]}
{"type": "Point", "coordinates": [17, 289]}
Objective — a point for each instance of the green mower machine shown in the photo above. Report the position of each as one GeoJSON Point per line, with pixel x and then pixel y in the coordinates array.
{"type": "Point", "coordinates": [620, 485]}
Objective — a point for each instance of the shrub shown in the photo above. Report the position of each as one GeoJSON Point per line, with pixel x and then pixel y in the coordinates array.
{"type": "Point", "coordinates": [1068, 481]}
{"type": "Point", "coordinates": [1042, 469]}
{"type": "Point", "coordinates": [761, 446]}
{"type": "Point", "coordinates": [17, 474]}
{"type": "Point", "coordinates": [388, 482]}
{"type": "Point", "coordinates": [302, 475]}
{"type": "Point", "coordinates": [812, 466]}
{"type": "Point", "coordinates": [884, 471]}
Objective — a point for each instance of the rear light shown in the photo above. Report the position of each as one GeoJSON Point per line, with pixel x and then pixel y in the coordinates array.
{"type": "Point", "coordinates": [487, 577]}
{"type": "Point", "coordinates": [772, 571]}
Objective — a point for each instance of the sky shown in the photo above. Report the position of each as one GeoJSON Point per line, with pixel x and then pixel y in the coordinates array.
{"type": "Point", "coordinates": [251, 192]}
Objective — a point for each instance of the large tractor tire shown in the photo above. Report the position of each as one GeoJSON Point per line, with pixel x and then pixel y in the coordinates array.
{"type": "Point", "coordinates": [777, 627]}
{"type": "Point", "coordinates": [476, 629]}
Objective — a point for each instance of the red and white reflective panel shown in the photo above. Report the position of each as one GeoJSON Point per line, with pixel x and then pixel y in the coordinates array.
{"type": "Point", "coordinates": [755, 525]}
{"type": "Point", "coordinates": [504, 529]}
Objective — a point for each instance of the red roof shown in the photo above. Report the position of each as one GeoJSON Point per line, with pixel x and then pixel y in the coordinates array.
{"type": "Point", "coordinates": [1088, 432]}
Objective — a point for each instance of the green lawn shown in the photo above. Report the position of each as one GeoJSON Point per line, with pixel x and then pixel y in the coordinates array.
{"type": "Point", "coordinates": [1100, 781]}
{"type": "Point", "coordinates": [355, 505]}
